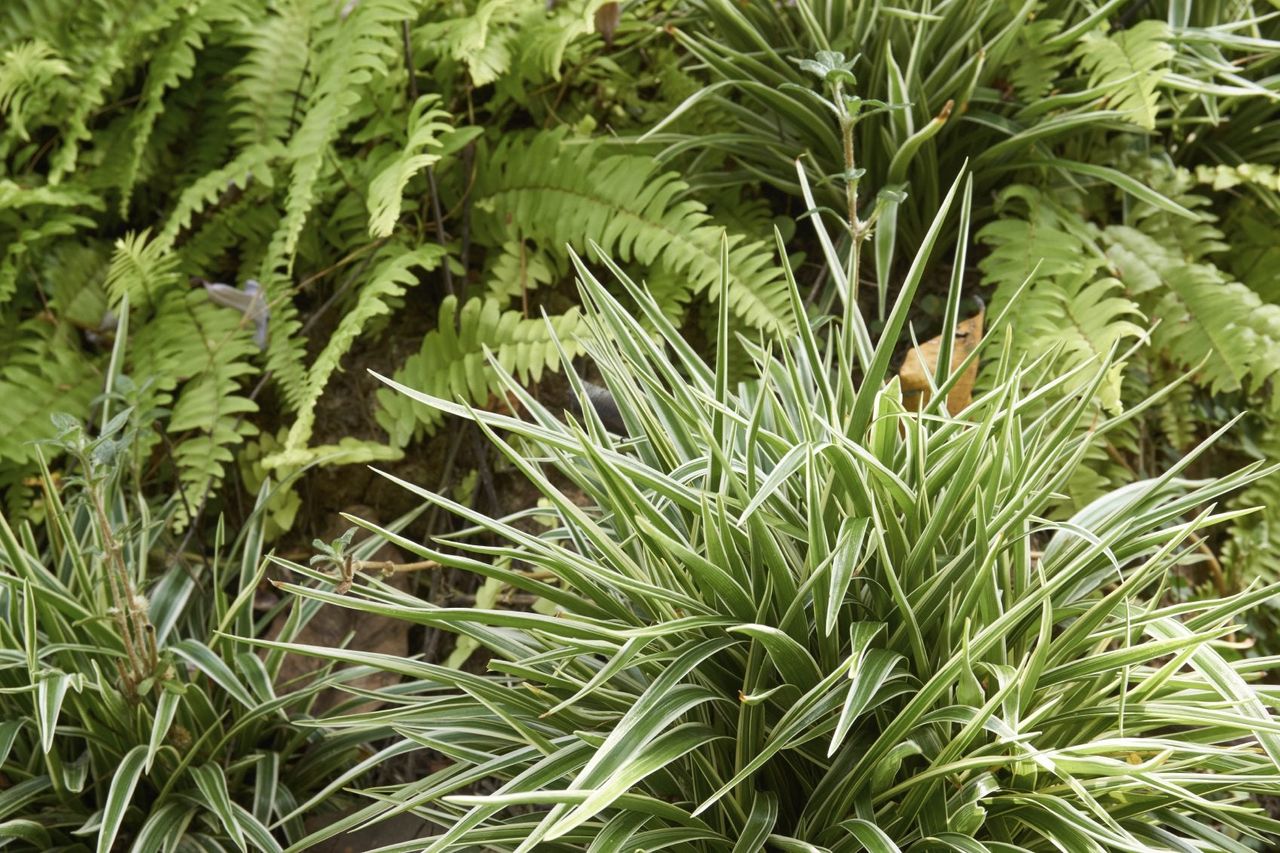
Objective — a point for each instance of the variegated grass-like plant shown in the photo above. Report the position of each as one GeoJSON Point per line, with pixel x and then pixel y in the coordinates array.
{"type": "Point", "coordinates": [126, 721]}
{"type": "Point", "coordinates": [793, 616]}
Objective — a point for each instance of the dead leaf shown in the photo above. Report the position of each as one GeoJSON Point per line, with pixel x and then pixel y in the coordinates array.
{"type": "Point", "coordinates": [921, 363]}
{"type": "Point", "coordinates": [607, 18]}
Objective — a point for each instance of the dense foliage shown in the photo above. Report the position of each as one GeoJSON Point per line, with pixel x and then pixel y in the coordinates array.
{"type": "Point", "coordinates": [219, 216]}
{"type": "Point", "coordinates": [125, 715]}
{"type": "Point", "coordinates": [795, 616]}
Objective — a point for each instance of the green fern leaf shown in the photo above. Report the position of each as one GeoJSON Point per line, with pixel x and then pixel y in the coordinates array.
{"type": "Point", "coordinates": [272, 82]}
{"type": "Point", "coordinates": [42, 373]}
{"type": "Point", "coordinates": [123, 33]}
{"type": "Point", "coordinates": [172, 63]}
{"type": "Point", "coordinates": [29, 71]}
{"type": "Point", "coordinates": [1071, 307]}
{"type": "Point", "coordinates": [426, 123]}
{"type": "Point", "coordinates": [142, 269]}
{"type": "Point", "coordinates": [357, 52]}
{"type": "Point", "coordinates": [1129, 66]}
{"type": "Point", "coordinates": [30, 216]}
{"type": "Point", "coordinates": [551, 189]}
{"type": "Point", "coordinates": [1203, 313]}
{"type": "Point", "coordinates": [195, 356]}
{"type": "Point", "coordinates": [251, 165]}
{"type": "Point", "coordinates": [518, 269]}
{"type": "Point", "coordinates": [388, 282]}
{"type": "Point", "coordinates": [452, 362]}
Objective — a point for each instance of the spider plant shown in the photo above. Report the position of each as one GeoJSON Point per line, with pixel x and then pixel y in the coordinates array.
{"type": "Point", "coordinates": [1027, 91]}
{"type": "Point", "coordinates": [126, 722]}
{"type": "Point", "coordinates": [790, 615]}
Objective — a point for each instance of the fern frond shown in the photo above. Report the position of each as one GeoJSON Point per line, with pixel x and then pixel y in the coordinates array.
{"type": "Point", "coordinates": [388, 282]}
{"type": "Point", "coordinates": [76, 272]}
{"type": "Point", "coordinates": [29, 216]}
{"type": "Point", "coordinates": [356, 52]}
{"type": "Point", "coordinates": [1255, 252]}
{"type": "Point", "coordinates": [272, 83]}
{"type": "Point", "coordinates": [426, 123]}
{"type": "Point", "coordinates": [286, 350]}
{"type": "Point", "coordinates": [517, 269]}
{"type": "Point", "coordinates": [1203, 313]}
{"type": "Point", "coordinates": [1129, 66]}
{"type": "Point", "coordinates": [544, 40]}
{"type": "Point", "coordinates": [1034, 235]}
{"type": "Point", "coordinates": [348, 451]}
{"type": "Point", "coordinates": [1081, 320]}
{"type": "Point", "coordinates": [196, 355]}
{"type": "Point", "coordinates": [1071, 308]}
{"type": "Point", "coordinates": [1194, 239]}
{"type": "Point", "coordinates": [42, 372]}
{"type": "Point", "coordinates": [1252, 549]}
{"type": "Point", "coordinates": [253, 164]}
{"type": "Point", "coordinates": [142, 268]}
{"type": "Point", "coordinates": [173, 62]}
{"type": "Point", "coordinates": [123, 34]}
{"type": "Point", "coordinates": [452, 362]}
{"type": "Point", "coordinates": [481, 41]}
{"type": "Point", "coordinates": [31, 73]}
{"type": "Point", "coordinates": [1224, 177]}
{"type": "Point", "coordinates": [1036, 68]}
{"type": "Point", "coordinates": [551, 190]}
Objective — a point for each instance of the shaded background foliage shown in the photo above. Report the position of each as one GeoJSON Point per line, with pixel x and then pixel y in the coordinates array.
{"type": "Point", "coordinates": [402, 181]}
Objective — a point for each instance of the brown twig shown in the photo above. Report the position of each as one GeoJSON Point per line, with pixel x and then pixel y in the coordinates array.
{"type": "Point", "coordinates": [388, 567]}
{"type": "Point", "coordinates": [440, 235]}
{"type": "Point", "coordinates": [408, 61]}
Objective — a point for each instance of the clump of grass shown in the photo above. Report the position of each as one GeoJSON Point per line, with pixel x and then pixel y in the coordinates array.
{"type": "Point", "coordinates": [126, 720]}
{"type": "Point", "coordinates": [796, 616]}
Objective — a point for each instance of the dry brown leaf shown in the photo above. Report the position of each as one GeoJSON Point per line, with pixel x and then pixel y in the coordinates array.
{"type": "Point", "coordinates": [922, 362]}
{"type": "Point", "coordinates": [607, 18]}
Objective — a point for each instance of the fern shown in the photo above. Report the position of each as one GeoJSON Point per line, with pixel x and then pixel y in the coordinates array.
{"type": "Point", "coordinates": [452, 363]}
{"type": "Point", "coordinates": [1072, 309]}
{"type": "Point", "coordinates": [548, 188]}
{"type": "Point", "coordinates": [1079, 320]}
{"type": "Point", "coordinates": [1129, 66]}
{"type": "Point", "coordinates": [517, 269]}
{"type": "Point", "coordinates": [31, 75]}
{"type": "Point", "coordinates": [1223, 177]}
{"type": "Point", "coordinates": [170, 65]}
{"type": "Point", "coordinates": [31, 216]}
{"type": "Point", "coordinates": [482, 40]}
{"type": "Point", "coordinates": [1253, 548]}
{"type": "Point", "coordinates": [386, 285]}
{"type": "Point", "coordinates": [198, 355]}
{"type": "Point", "coordinates": [253, 164]}
{"type": "Point", "coordinates": [142, 269]}
{"type": "Point", "coordinates": [1037, 69]}
{"type": "Point", "coordinates": [1255, 253]}
{"type": "Point", "coordinates": [124, 33]}
{"type": "Point", "coordinates": [1204, 314]}
{"type": "Point", "coordinates": [1036, 235]}
{"type": "Point", "coordinates": [426, 123]}
{"type": "Point", "coordinates": [41, 373]}
{"type": "Point", "coordinates": [273, 80]}
{"type": "Point", "coordinates": [356, 51]}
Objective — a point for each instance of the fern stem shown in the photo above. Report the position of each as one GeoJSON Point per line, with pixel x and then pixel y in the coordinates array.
{"type": "Point", "coordinates": [440, 235]}
{"type": "Point", "coordinates": [408, 62]}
